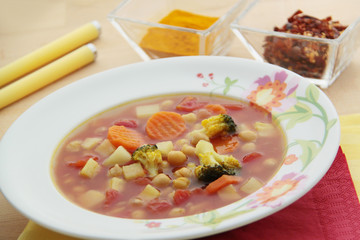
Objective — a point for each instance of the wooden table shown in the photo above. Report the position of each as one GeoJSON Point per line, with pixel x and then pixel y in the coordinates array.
{"type": "Point", "coordinates": [28, 25]}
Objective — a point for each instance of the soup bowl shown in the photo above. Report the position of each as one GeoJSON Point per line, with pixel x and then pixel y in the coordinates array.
{"type": "Point", "coordinates": [307, 117]}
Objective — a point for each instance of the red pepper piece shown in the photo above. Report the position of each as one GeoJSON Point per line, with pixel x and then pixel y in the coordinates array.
{"type": "Point", "coordinates": [234, 106]}
{"type": "Point", "coordinates": [142, 181]}
{"type": "Point", "coordinates": [111, 195]}
{"type": "Point", "coordinates": [251, 156]}
{"type": "Point", "coordinates": [181, 196]}
{"type": "Point", "coordinates": [157, 205]}
{"type": "Point", "coordinates": [130, 123]}
{"type": "Point", "coordinates": [190, 104]}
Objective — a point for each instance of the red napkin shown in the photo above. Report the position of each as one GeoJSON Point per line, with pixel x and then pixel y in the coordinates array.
{"type": "Point", "coordinates": [331, 210]}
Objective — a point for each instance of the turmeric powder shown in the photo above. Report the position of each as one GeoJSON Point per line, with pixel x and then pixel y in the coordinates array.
{"type": "Point", "coordinates": [163, 42]}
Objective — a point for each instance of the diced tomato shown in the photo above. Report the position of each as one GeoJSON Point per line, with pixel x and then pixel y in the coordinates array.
{"type": "Point", "coordinates": [142, 181]}
{"type": "Point", "coordinates": [130, 123]}
{"type": "Point", "coordinates": [251, 156]}
{"type": "Point", "coordinates": [157, 205]}
{"type": "Point", "coordinates": [197, 191]}
{"type": "Point", "coordinates": [111, 195]}
{"type": "Point", "coordinates": [181, 196]}
{"type": "Point", "coordinates": [189, 104]}
{"type": "Point", "coordinates": [81, 162]}
{"type": "Point", "coordinates": [225, 144]}
{"type": "Point", "coordinates": [238, 106]}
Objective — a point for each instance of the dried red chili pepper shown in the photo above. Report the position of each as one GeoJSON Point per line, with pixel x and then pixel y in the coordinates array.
{"type": "Point", "coordinates": [305, 57]}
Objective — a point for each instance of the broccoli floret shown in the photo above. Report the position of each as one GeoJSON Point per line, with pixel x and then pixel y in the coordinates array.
{"type": "Point", "coordinates": [213, 165]}
{"type": "Point", "coordinates": [150, 157]}
{"type": "Point", "coordinates": [219, 125]}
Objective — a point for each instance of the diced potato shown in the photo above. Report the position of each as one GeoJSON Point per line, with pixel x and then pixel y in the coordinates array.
{"type": "Point", "coordinates": [115, 171]}
{"type": "Point", "coordinates": [120, 156]}
{"type": "Point", "coordinates": [147, 110]}
{"type": "Point", "coordinates": [165, 147]}
{"type": "Point", "coordinates": [105, 148]}
{"type": "Point", "coordinates": [74, 146]}
{"type": "Point", "coordinates": [90, 143]}
{"type": "Point", "coordinates": [229, 193]}
{"type": "Point", "coordinates": [117, 184]}
{"type": "Point", "coordinates": [90, 169]}
{"type": "Point", "coordinates": [251, 186]}
{"type": "Point", "coordinates": [91, 198]}
{"type": "Point", "coordinates": [265, 129]}
{"type": "Point", "coordinates": [133, 171]}
{"type": "Point", "coordinates": [149, 193]}
{"type": "Point", "coordinates": [161, 180]}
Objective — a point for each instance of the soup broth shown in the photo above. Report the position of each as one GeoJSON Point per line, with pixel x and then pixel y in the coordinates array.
{"type": "Point", "coordinates": [104, 167]}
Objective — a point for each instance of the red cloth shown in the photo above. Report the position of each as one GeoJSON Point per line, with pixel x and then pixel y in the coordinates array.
{"type": "Point", "coordinates": [331, 210]}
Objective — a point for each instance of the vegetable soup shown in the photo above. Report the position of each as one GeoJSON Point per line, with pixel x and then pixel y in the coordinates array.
{"type": "Point", "coordinates": [169, 156]}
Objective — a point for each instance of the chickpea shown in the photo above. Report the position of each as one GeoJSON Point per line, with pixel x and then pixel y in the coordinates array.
{"type": "Point", "coordinates": [161, 180]}
{"type": "Point", "coordinates": [181, 142]}
{"type": "Point", "coordinates": [176, 212]}
{"type": "Point", "coordinates": [189, 118]}
{"type": "Point", "coordinates": [181, 182]}
{"type": "Point", "coordinates": [270, 162]}
{"type": "Point", "coordinates": [183, 172]}
{"type": "Point", "coordinates": [195, 137]}
{"type": "Point", "coordinates": [203, 113]}
{"type": "Point", "coordinates": [188, 150]}
{"type": "Point", "coordinates": [176, 158]}
{"type": "Point", "coordinates": [248, 147]}
{"type": "Point", "coordinates": [248, 135]}
{"type": "Point", "coordinates": [137, 202]}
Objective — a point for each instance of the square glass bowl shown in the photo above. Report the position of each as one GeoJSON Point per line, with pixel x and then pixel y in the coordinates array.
{"type": "Point", "coordinates": [318, 59]}
{"type": "Point", "coordinates": [138, 22]}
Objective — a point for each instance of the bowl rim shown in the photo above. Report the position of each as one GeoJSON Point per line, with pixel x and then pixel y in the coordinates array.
{"type": "Point", "coordinates": [201, 60]}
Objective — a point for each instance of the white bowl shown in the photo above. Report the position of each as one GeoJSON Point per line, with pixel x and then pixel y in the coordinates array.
{"type": "Point", "coordinates": [307, 116]}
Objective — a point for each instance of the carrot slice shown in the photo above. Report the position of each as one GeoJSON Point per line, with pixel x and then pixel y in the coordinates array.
{"type": "Point", "coordinates": [225, 144]}
{"type": "Point", "coordinates": [221, 182]}
{"type": "Point", "coordinates": [216, 108]}
{"type": "Point", "coordinates": [165, 125]}
{"type": "Point", "coordinates": [126, 137]}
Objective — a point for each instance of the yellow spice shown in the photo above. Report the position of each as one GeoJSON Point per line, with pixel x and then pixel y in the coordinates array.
{"type": "Point", "coordinates": [169, 42]}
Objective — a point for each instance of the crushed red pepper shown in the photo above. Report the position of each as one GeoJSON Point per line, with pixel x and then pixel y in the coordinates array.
{"type": "Point", "coordinates": [305, 57]}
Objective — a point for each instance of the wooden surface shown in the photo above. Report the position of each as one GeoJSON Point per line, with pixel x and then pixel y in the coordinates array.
{"type": "Point", "coordinates": [28, 25]}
